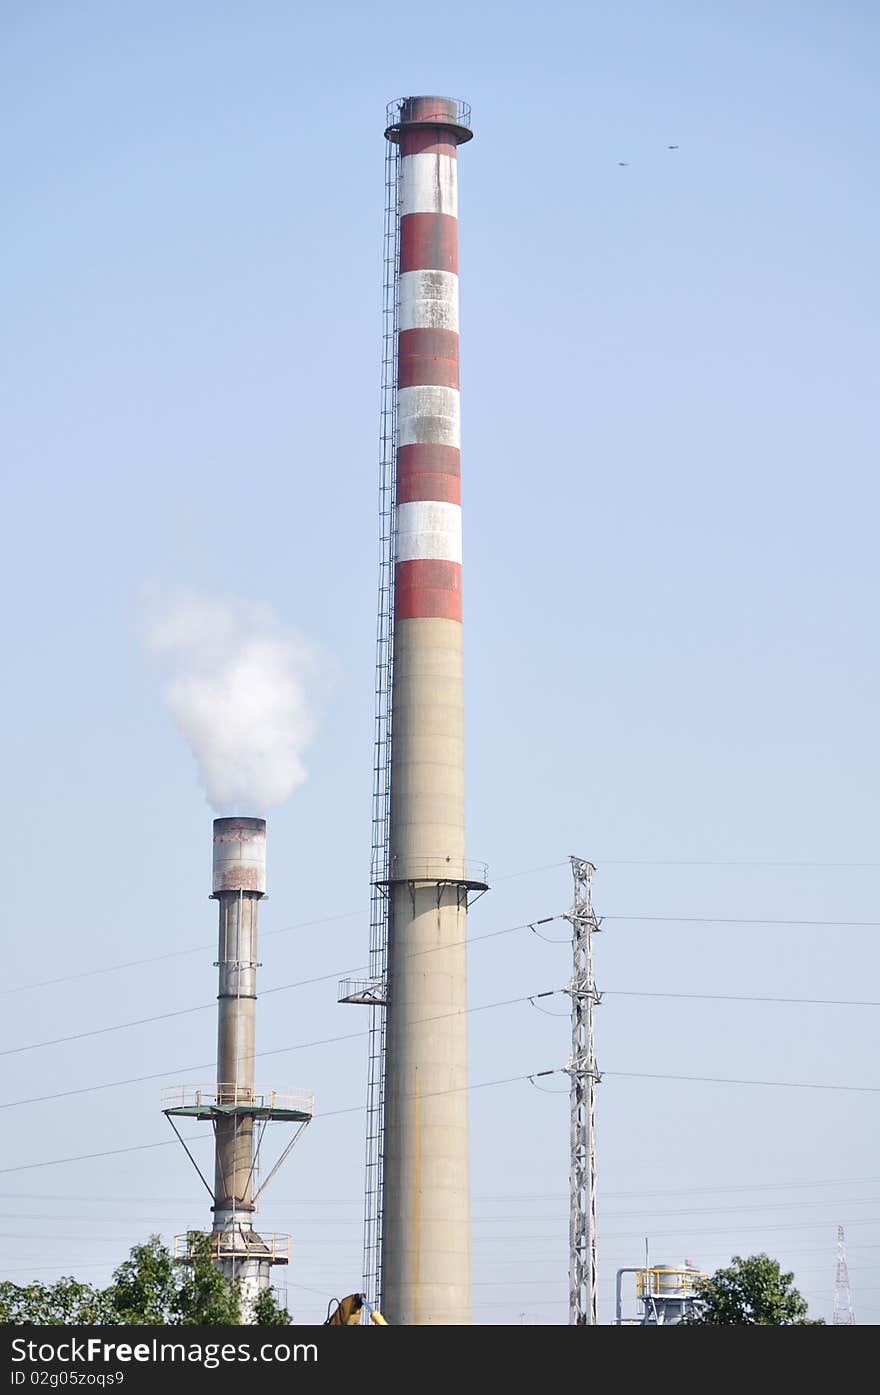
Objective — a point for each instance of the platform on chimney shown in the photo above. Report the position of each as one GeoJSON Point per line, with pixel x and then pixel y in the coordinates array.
{"type": "Point", "coordinates": [365, 992]}
{"type": "Point", "coordinates": [434, 871]}
{"type": "Point", "coordinates": [225, 1099]}
{"type": "Point", "coordinates": [241, 1243]}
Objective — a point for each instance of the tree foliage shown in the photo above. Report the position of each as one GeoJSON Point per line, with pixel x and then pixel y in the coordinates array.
{"type": "Point", "coordinates": [148, 1289]}
{"type": "Point", "coordinates": [145, 1287]}
{"type": "Point", "coordinates": [751, 1292]}
{"type": "Point", "coordinates": [66, 1302]}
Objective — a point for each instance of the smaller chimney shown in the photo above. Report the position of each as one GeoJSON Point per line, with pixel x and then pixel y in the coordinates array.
{"type": "Point", "coordinates": [234, 1105]}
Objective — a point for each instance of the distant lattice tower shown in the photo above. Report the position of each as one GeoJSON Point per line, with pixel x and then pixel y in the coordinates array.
{"type": "Point", "coordinates": [843, 1304]}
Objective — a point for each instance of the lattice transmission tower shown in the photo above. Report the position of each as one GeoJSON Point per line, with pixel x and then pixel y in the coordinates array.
{"type": "Point", "coordinates": [843, 1303]}
{"type": "Point", "coordinates": [584, 1074]}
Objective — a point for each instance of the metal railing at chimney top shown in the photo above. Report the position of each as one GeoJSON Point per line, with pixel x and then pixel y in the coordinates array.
{"type": "Point", "coordinates": [462, 116]}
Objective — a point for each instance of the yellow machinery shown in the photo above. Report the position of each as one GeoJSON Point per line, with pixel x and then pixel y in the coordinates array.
{"type": "Point", "coordinates": [348, 1310]}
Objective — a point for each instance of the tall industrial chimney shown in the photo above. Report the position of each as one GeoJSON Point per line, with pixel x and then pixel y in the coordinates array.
{"type": "Point", "coordinates": [425, 1193]}
{"type": "Point", "coordinates": [238, 1111]}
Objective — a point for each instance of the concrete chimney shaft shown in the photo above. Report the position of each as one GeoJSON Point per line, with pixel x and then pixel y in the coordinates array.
{"type": "Point", "coordinates": [426, 1206]}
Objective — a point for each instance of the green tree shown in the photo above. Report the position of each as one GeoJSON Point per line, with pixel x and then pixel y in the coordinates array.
{"type": "Point", "coordinates": [47, 1305]}
{"type": "Point", "coordinates": [148, 1288]}
{"type": "Point", "coordinates": [751, 1292]}
{"type": "Point", "coordinates": [145, 1287]}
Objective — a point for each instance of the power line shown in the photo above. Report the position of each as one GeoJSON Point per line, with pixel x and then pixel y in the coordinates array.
{"type": "Point", "coordinates": [164, 1074]}
{"type": "Point", "coordinates": [160, 1017]}
{"type": "Point", "coordinates": [350, 915]}
{"type": "Point", "coordinates": [96, 1239]}
{"type": "Point", "coordinates": [643, 1075]}
{"type": "Point", "coordinates": [258, 1055]}
{"type": "Point", "coordinates": [196, 949]}
{"type": "Point", "coordinates": [743, 998]}
{"type": "Point", "coordinates": [718, 1080]}
{"type": "Point", "coordinates": [326, 1114]}
{"type": "Point", "coordinates": [174, 1200]}
{"type": "Point", "coordinates": [709, 1210]}
{"type": "Point", "coordinates": [480, 1196]}
{"type": "Point", "coordinates": [487, 1084]}
{"type": "Point", "coordinates": [736, 862]}
{"type": "Point", "coordinates": [727, 1080]}
{"type": "Point", "coordinates": [160, 958]}
{"type": "Point", "coordinates": [101, 1031]}
{"type": "Point", "coordinates": [53, 1268]}
{"type": "Point", "coordinates": [285, 987]}
{"type": "Point", "coordinates": [278, 1206]}
{"type": "Point", "coordinates": [155, 1220]}
{"type": "Point", "coordinates": [105, 1153]}
{"type": "Point", "coordinates": [264, 992]}
{"type": "Point", "coordinates": [681, 1231]}
{"type": "Point", "coordinates": [742, 920]}
{"type": "Point", "coordinates": [812, 1249]}
{"type": "Point", "coordinates": [546, 867]}
{"type": "Point", "coordinates": [664, 1191]}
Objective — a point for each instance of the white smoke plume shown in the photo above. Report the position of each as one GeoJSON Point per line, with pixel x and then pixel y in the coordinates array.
{"type": "Point", "coordinates": [239, 689]}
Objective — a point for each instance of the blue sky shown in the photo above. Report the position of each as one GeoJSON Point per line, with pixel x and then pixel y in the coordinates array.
{"type": "Point", "coordinates": [669, 444]}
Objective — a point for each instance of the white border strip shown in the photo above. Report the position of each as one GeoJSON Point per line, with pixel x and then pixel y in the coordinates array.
{"type": "Point", "coordinates": [428, 530]}
{"type": "Point", "coordinates": [428, 184]}
{"type": "Point", "coordinates": [428, 300]}
{"type": "Point", "coordinates": [428, 416]}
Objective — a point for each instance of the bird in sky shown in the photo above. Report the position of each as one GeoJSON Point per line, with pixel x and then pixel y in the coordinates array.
{"type": "Point", "coordinates": [672, 147]}
{"type": "Point", "coordinates": [623, 163]}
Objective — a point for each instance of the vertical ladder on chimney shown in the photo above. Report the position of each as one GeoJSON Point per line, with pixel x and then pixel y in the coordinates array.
{"type": "Point", "coordinates": [380, 906]}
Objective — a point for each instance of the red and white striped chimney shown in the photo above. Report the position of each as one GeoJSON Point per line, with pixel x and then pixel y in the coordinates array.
{"type": "Point", "coordinates": [426, 1213]}
{"type": "Point", "coordinates": [428, 579]}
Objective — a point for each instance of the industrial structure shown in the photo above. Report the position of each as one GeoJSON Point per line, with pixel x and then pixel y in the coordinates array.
{"type": "Point", "coordinates": [667, 1294]}
{"type": "Point", "coordinates": [583, 1282]}
{"type": "Point", "coordinates": [237, 1110]}
{"type": "Point", "coordinates": [843, 1303]}
{"type": "Point", "coordinates": [417, 1225]}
